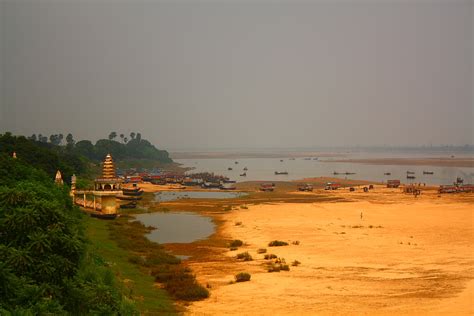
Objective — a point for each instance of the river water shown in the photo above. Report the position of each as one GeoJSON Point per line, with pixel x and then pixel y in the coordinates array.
{"type": "Point", "coordinates": [177, 227]}
{"type": "Point", "coordinates": [264, 169]}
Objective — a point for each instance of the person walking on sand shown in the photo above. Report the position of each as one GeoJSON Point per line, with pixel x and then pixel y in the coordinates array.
{"type": "Point", "coordinates": [361, 215]}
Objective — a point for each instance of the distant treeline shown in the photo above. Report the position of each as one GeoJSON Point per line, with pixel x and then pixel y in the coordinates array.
{"type": "Point", "coordinates": [77, 157]}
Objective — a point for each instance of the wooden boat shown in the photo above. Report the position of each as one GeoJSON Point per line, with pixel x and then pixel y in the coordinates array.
{"type": "Point", "coordinates": [245, 169]}
{"type": "Point", "coordinates": [411, 177]}
{"type": "Point", "coordinates": [410, 172]}
{"type": "Point", "coordinates": [103, 216]}
{"type": "Point", "coordinates": [281, 160]}
{"type": "Point", "coordinates": [307, 158]}
{"type": "Point", "coordinates": [129, 197]}
{"type": "Point", "coordinates": [267, 187]}
{"type": "Point", "coordinates": [335, 173]}
{"type": "Point", "coordinates": [132, 192]}
{"type": "Point", "coordinates": [428, 172]}
{"type": "Point", "coordinates": [393, 183]}
{"type": "Point", "coordinates": [387, 174]}
{"type": "Point", "coordinates": [281, 173]}
{"type": "Point", "coordinates": [305, 188]}
{"type": "Point", "coordinates": [244, 174]}
{"type": "Point", "coordinates": [228, 181]}
{"type": "Point", "coordinates": [348, 173]}
{"type": "Point", "coordinates": [129, 205]}
{"type": "Point", "coordinates": [236, 162]}
{"type": "Point", "coordinates": [229, 168]}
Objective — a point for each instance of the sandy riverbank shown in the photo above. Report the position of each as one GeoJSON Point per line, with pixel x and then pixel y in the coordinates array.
{"type": "Point", "coordinates": [418, 261]}
{"type": "Point", "coordinates": [435, 162]}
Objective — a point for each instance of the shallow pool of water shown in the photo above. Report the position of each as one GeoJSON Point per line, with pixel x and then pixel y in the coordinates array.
{"type": "Point", "coordinates": [177, 227]}
{"type": "Point", "coordinates": [165, 196]}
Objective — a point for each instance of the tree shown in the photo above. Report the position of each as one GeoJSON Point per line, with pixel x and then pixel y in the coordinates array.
{"type": "Point", "coordinates": [69, 139]}
{"type": "Point", "coordinates": [55, 139]}
{"type": "Point", "coordinates": [85, 148]}
{"type": "Point", "coordinates": [125, 140]}
{"type": "Point", "coordinates": [32, 137]}
{"type": "Point", "coordinates": [112, 135]}
{"type": "Point", "coordinates": [139, 137]}
{"type": "Point", "coordinates": [132, 135]}
{"type": "Point", "coordinates": [122, 136]}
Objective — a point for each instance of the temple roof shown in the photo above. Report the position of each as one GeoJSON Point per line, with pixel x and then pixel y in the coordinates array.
{"type": "Point", "coordinates": [108, 169]}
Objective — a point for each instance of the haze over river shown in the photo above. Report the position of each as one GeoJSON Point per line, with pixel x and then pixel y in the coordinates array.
{"type": "Point", "coordinates": [263, 169]}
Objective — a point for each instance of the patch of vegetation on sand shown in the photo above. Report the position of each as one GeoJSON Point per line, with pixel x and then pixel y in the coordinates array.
{"type": "Point", "coordinates": [242, 277]}
{"type": "Point", "coordinates": [245, 256]}
{"type": "Point", "coordinates": [236, 243]}
{"type": "Point", "coordinates": [277, 243]}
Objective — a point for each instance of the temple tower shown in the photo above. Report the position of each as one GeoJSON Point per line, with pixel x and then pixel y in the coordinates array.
{"type": "Point", "coordinates": [58, 179]}
{"type": "Point", "coordinates": [108, 186]}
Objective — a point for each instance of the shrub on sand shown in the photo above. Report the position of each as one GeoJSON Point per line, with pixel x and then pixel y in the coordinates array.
{"type": "Point", "coordinates": [242, 277]}
{"type": "Point", "coordinates": [277, 243]}
{"type": "Point", "coordinates": [236, 243]}
{"type": "Point", "coordinates": [245, 256]}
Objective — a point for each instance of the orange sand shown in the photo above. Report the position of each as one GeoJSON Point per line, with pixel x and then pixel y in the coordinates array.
{"type": "Point", "coordinates": [420, 261]}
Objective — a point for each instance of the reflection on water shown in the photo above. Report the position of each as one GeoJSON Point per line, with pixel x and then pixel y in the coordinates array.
{"type": "Point", "coordinates": [165, 196]}
{"type": "Point", "coordinates": [177, 227]}
{"type": "Point", "coordinates": [264, 169]}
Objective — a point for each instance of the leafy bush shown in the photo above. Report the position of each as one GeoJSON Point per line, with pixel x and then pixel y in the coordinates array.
{"type": "Point", "coordinates": [277, 243]}
{"type": "Point", "coordinates": [46, 267]}
{"type": "Point", "coordinates": [245, 256]}
{"type": "Point", "coordinates": [180, 283]}
{"type": "Point", "coordinates": [236, 243]}
{"type": "Point", "coordinates": [242, 277]}
{"type": "Point", "coordinates": [284, 267]}
{"type": "Point", "coordinates": [270, 256]}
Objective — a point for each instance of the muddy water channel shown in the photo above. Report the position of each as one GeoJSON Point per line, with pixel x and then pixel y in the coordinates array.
{"type": "Point", "coordinates": [177, 227]}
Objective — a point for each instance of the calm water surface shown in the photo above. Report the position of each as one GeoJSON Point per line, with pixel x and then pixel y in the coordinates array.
{"type": "Point", "coordinates": [264, 169]}
{"type": "Point", "coordinates": [177, 227]}
{"type": "Point", "coordinates": [165, 196]}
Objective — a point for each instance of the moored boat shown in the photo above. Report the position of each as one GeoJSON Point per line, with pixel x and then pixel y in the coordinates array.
{"type": "Point", "coordinates": [281, 172]}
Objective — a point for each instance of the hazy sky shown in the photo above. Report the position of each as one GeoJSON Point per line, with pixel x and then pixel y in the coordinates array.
{"type": "Point", "coordinates": [240, 73]}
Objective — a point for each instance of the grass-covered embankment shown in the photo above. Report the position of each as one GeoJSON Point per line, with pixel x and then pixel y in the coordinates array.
{"type": "Point", "coordinates": [140, 286]}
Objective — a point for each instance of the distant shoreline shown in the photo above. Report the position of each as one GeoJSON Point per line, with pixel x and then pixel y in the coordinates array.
{"type": "Point", "coordinates": [433, 162]}
{"type": "Point", "coordinates": [241, 155]}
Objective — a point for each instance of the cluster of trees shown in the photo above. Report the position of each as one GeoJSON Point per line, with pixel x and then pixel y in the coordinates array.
{"type": "Point", "coordinates": [133, 135]}
{"type": "Point", "coordinates": [44, 156]}
{"type": "Point", "coordinates": [45, 264]}
{"type": "Point", "coordinates": [135, 148]}
{"type": "Point", "coordinates": [127, 148]}
{"type": "Point", "coordinates": [77, 157]}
